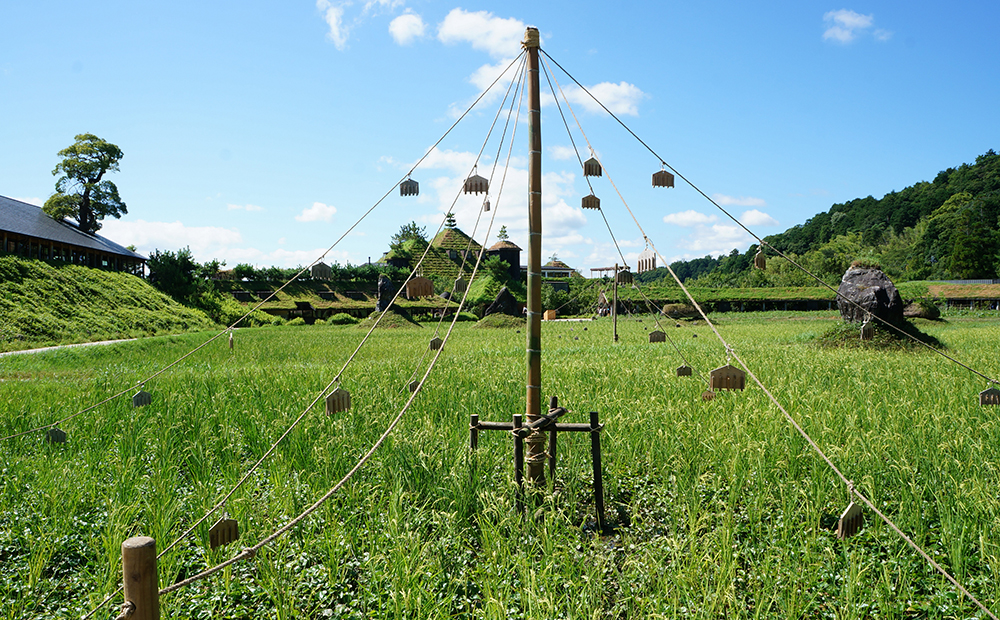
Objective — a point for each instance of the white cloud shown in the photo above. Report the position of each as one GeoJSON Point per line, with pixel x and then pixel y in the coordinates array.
{"type": "Point", "coordinates": [844, 26]}
{"type": "Point", "coordinates": [333, 15]}
{"type": "Point", "coordinates": [497, 36]}
{"type": "Point", "coordinates": [204, 241]}
{"type": "Point", "coordinates": [620, 98]}
{"type": "Point", "coordinates": [458, 162]}
{"type": "Point", "coordinates": [485, 75]}
{"type": "Point", "coordinates": [742, 201]}
{"type": "Point", "coordinates": [247, 207]}
{"type": "Point", "coordinates": [753, 217]}
{"type": "Point", "coordinates": [382, 4]}
{"type": "Point", "coordinates": [406, 28]}
{"type": "Point", "coordinates": [717, 239]}
{"type": "Point", "coordinates": [318, 212]}
{"type": "Point", "coordinates": [688, 218]}
{"type": "Point", "coordinates": [281, 257]}
{"type": "Point", "coordinates": [31, 201]}
{"type": "Point", "coordinates": [561, 152]}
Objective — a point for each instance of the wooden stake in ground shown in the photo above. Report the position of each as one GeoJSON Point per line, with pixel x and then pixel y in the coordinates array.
{"type": "Point", "coordinates": [142, 587]}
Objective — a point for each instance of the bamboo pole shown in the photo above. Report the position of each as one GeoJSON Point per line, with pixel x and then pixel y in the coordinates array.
{"type": "Point", "coordinates": [536, 441]}
{"type": "Point", "coordinates": [614, 305]}
{"type": "Point", "coordinates": [142, 587]}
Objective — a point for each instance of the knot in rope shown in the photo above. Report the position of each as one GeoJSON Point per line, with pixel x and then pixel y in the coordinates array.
{"type": "Point", "coordinates": [126, 610]}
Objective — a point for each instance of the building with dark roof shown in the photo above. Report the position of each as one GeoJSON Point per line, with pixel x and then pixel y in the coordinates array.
{"type": "Point", "coordinates": [508, 251]}
{"type": "Point", "coordinates": [28, 231]}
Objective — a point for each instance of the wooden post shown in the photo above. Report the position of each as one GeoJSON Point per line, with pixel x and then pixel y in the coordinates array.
{"type": "Point", "coordinates": [142, 587]}
{"type": "Point", "coordinates": [614, 305]}
{"type": "Point", "coordinates": [474, 431]}
{"type": "Point", "coordinates": [595, 455]}
{"type": "Point", "coordinates": [518, 463]}
{"type": "Point", "coordinates": [553, 403]}
{"type": "Point", "coordinates": [533, 408]}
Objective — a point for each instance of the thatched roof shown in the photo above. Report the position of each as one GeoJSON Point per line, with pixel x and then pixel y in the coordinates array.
{"type": "Point", "coordinates": [504, 245]}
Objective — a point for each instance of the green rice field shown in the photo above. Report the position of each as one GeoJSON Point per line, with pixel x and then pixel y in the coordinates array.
{"type": "Point", "coordinates": [720, 509]}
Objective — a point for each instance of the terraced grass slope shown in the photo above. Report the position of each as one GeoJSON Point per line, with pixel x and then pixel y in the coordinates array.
{"type": "Point", "coordinates": [45, 303]}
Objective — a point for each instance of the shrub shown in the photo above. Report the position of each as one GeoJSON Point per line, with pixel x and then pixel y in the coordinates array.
{"type": "Point", "coordinates": [297, 321]}
{"type": "Point", "coordinates": [342, 318]}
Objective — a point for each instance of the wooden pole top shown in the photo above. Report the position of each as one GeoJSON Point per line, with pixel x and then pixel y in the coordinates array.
{"type": "Point", "coordinates": [139, 542]}
{"type": "Point", "coordinates": [531, 38]}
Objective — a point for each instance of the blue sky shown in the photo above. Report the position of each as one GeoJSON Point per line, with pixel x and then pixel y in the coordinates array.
{"type": "Point", "coordinates": [261, 131]}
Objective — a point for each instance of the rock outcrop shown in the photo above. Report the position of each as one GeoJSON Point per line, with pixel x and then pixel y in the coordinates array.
{"type": "Point", "coordinates": [386, 291]}
{"type": "Point", "coordinates": [872, 293]}
{"type": "Point", "coordinates": [504, 304]}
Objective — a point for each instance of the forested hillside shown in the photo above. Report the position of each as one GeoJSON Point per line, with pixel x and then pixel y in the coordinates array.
{"type": "Point", "coordinates": [938, 230]}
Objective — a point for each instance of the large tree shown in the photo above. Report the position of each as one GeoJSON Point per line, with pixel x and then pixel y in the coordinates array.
{"type": "Point", "coordinates": [81, 191]}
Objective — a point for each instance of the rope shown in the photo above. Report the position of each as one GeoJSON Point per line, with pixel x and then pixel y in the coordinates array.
{"type": "Point", "coordinates": [127, 609]}
{"type": "Point", "coordinates": [765, 243]}
{"type": "Point", "coordinates": [415, 268]}
{"type": "Point", "coordinates": [493, 169]}
{"type": "Point", "coordinates": [256, 465]}
{"type": "Point", "coordinates": [292, 279]}
{"type": "Point", "coordinates": [252, 551]}
{"type": "Point", "coordinates": [649, 303]}
{"type": "Point", "coordinates": [731, 352]}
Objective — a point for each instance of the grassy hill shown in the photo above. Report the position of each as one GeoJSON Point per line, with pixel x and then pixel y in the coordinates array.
{"type": "Point", "coordinates": [44, 303]}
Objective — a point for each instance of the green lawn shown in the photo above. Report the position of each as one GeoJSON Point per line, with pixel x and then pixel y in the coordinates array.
{"type": "Point", "coordinates": [722, 510]}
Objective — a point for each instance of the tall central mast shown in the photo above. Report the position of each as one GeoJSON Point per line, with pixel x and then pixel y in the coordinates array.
{"type": "Point", "coordinates": [536, 441]}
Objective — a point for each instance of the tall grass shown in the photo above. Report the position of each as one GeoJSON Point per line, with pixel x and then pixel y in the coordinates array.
{"type": "Point", "coordinates": [721, 509]}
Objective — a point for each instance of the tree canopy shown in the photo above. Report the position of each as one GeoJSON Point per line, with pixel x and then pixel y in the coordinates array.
{"type": "Point", "coordinates": [82, 193]}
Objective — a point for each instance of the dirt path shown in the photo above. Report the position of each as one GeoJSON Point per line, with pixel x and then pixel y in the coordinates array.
{"type": "Point", "coordinates": [65, 346]}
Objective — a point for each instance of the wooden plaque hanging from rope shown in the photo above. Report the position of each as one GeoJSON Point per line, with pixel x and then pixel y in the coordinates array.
{"type": "Point", "coordinates": [476, 185]}
{"type": "Point", "coordinates": [850, 522]}
{"type": "Point", "coordinates": [436, 343]}
{"type": "Point", "coordinates": [684, 371]}
{"type": "Point", "coordinates": [419, 287]}
{"type": "Point", "coordinates": [657, 336]}
{"type": "Point", "coordinates": [224, 531]}
{"type": "Point", "coordinates": [727, 378]}
{"type": "Point", "coordinates": [141, 398]}
{"type": "Point", "coordinates": [707, 395]}
{"type": "Point", "coordinates": [55, 435]}
{"type": "Point", "coordinates": [989, 396]}
{"type": "Point", "coordinates": [409, 187]}
{"type": "Point", "coordinates": [338, 400]}
{"type": "Point", "coordinates": [663, 179]}
{"type": "Point", "coordinates": [759, 260]}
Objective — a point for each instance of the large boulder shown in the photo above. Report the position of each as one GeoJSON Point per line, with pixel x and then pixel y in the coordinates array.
{"type": "Point", "coordinates": [386, 291]}
{"type": "Point", "coordinates": [872, 292]}
{"type": "Point", "coordinates": [504, 304]}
